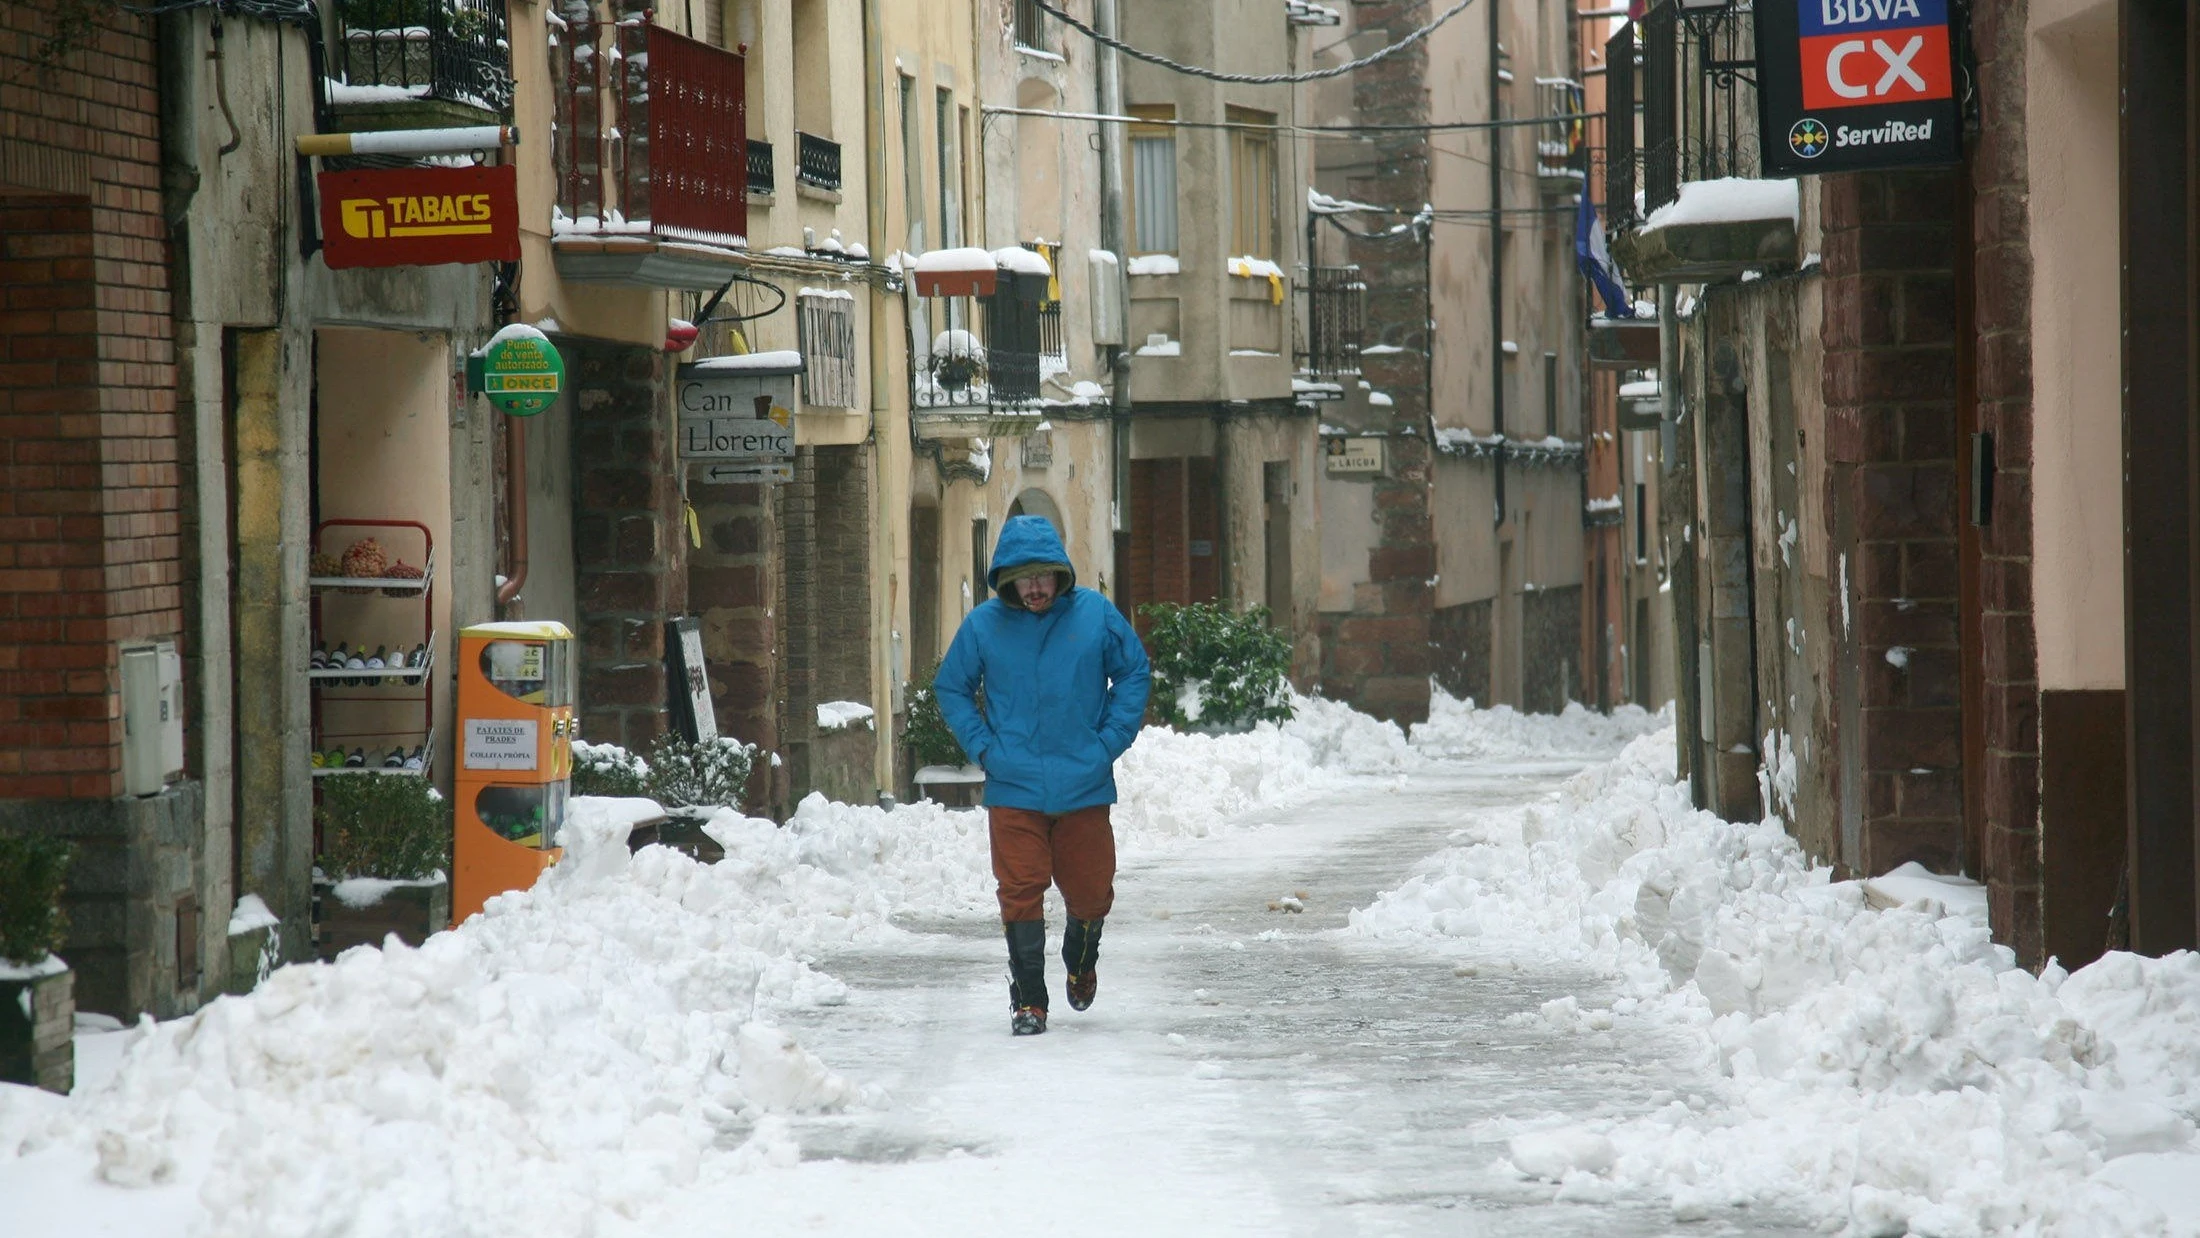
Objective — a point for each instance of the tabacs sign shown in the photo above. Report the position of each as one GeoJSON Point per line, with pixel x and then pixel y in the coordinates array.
{"type": "Point", "coordinates": [419, 216]}
{"type": "Point", "coordinates": [1856, 85]}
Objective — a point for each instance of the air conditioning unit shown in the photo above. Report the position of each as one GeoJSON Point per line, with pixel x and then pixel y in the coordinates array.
{"type": "Point", "coordinates": [152, 716]}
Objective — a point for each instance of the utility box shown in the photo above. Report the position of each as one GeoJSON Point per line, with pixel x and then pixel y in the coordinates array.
{"type": "Point", "coordinates": [515, 757]}
{"type": "Point", "coordinates": [152, 716]}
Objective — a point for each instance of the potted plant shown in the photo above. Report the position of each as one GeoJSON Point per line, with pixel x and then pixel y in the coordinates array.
{"type": "Point", "coordinates": [1215, 670]}
{"type": "Point", "coordinates": [944, 772]}
{"type": "Point", "coordinates": [385, 861]}
{"type": "Point", "coordinates": [690, 780]}
{"type": "Point", "coordinates": [37, 989]}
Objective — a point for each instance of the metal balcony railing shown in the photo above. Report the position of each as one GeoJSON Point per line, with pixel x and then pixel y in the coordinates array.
{"type": "Point", "coordinates": [1562, 148]}
{"type": "Point", "coordinates": [763, 175]}
{"type": "Point", "coordinates": [1619, 128]}
{"type": "Point", "coordinates": [456, 51]}
{"type": "Point", "coordinates": [817, 161]}
{"type": "Point", "coordinates": [982, 351]}
{"type": "Point", "coordinates": [1336, 301]}
{"type": "Point", "coordinates": [649, 134]}
{"type": "Point", "coordinates": [1031, 26]}
{"type": "Point", "coordinates": [1050, 306]}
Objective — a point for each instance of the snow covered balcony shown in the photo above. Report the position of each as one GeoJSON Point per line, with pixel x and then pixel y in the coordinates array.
{"type": "Point", "coordinates": [977, 344]}
{"type": "Point", "coordinates": [650, 152]}
{"type": "Point", "coordinates": [414, 64]}
{"type": "Point", "coordinates": [1714, 231]}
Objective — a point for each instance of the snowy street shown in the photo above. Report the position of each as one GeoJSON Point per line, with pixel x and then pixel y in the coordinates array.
{"type": "Point", "coordinates": [1245, 1070]}
{"type": "Point", "coordinates": [1495, 978]}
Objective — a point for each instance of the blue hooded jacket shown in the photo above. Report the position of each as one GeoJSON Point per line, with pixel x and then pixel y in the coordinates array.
{"type": "Point", "coordinates": [1065, 691]}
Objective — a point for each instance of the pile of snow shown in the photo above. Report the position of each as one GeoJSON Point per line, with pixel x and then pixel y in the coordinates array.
{"type": "Point", "coordinates": [1458, 728]}
{"type": "Point", "coordinates": [1730, 199]}
{"type": "Point", "coordinates": [841, 715]}
{"type": "Point", "coordinates": [1879, 1060]}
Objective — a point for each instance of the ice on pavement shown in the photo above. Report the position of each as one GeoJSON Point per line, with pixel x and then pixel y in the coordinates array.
{"type": "Point", "coordinates": [1889, 1066]}
{"type": "Point", "coordinates": [610, 1039]}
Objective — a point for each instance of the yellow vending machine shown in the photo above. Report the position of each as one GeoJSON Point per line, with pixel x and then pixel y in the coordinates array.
{"type": "Point", "coordinates": [515, 757]}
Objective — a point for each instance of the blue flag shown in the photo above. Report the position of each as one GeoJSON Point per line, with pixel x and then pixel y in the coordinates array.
{"type": "Point", "coordinates": [1596, 263]}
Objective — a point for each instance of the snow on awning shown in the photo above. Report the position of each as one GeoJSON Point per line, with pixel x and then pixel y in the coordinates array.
{"type": "Point", "coordinates": [756, 364]}
{"type": "Point", "coordinates": [1729, 199]}
{"type": "Point", "coordinates": [965, 272]}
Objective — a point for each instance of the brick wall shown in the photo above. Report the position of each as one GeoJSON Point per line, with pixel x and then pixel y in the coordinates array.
{"type": "Point", "coordinates": [629, 538]}
{"type": "Point", "coordinates": [733, 586]}
{"type": "Point", "coordinates": [827, 568]}
{"type": "Point", "coordinates": [89, 543]}
{"type": "Point", "coordinates": [1890, 392]}
{"type": "Point", "coordinates": [2003, 283]}
{"type": "Point", "coordinates": [1459, 640]}
{"type": "Point", "coordinates": [1550, 657]}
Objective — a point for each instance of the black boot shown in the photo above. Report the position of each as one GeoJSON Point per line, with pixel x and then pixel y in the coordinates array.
{"type": "Point", "coordinates": [1027, 976]}
{"type": "Point", "coordinates": [1080, 948]}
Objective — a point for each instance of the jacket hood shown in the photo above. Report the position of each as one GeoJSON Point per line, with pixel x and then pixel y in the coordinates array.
{"type": "Point", "coordinates": [1027, 539]}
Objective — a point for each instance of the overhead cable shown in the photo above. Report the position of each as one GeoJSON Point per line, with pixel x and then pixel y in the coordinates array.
{"type": "Point", "coordinates": [1252, 79]}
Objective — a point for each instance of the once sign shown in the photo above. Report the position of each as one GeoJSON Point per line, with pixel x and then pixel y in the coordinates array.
{"type": "Point", "coordinates": [520, 370]}
{"type": "Point", "coordinates": [1850, 85]}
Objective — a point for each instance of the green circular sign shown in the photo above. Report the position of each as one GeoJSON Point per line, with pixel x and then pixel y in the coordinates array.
{"type": "Point", "coordinates": [521, 371]}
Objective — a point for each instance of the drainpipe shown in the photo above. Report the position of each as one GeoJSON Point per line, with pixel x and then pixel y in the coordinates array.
{"type": "Point", "coordinates": [504, 296]}
{"type": "Point", "coordinates": [1109, 70]}
{"type": "Point", "coordinates": [874, 207]}
{"type": "Point", "coordinates": [1497, 264]}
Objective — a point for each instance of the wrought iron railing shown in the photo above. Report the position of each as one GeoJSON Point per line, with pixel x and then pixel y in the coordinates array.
{"type": "Point", "coordinates": [1336, 305]}
{"type": "Point", "coordinates": [649, 134]}
{"type": "Point", "coordinates": [980, 351]}
{"type": "Point", "coordinates": [763, 175]}
{"type": "Point", "coordinates": [456, 51]}
{"type": "Point", "coordinates": [1660, 152]}
{"type": "Point", "coordinates": [1562, 147]}
{"type": "Point", "coordinates": [817, 161]}
{"type": "Point", "coordinates": [1031, 26]}
{"type": "Point", "coordinates": [1050, 306]}
{"type": "Point", "coordinates": [1619, 127]}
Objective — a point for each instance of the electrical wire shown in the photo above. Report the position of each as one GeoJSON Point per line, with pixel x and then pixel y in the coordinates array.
{"type": "Point", "coordinates": [1252, 79]}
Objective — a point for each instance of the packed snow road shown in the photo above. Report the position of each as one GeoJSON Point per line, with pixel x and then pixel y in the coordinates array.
{"type": "Point", "coordinates": [1246, 1069]}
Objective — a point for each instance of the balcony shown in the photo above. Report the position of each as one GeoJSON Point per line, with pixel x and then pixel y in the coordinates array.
{"type": "Point", "coordinates": [1562, 147]}
{"type": "Point", "coordinates": [417, 63]}
{"type": "Point", "coordinates": [763, 174]}
{"type": "Point", "coordinates": [1336, 301]}
{"type": "Point", "coordinates": [977, 342]}
{"type": "Point", "coordinates": [817, 162]}
{"type": "Point", "coordinates": [1031, 27]}
{"type": "Point", "coordinates": [650, 151]}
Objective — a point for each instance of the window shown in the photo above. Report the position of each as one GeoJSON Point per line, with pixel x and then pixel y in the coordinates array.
{"type": "Point", "coordinates": [912, 165]}
{"type": "Point", "coordinates": [1153, 181]}
{"type": "Point", "coordinates": [945, 129]}
{"type": "Point", "coordinates": [813, 83]}
{"type": "Point", "coordinates": [1031, 25]}
{"type": "Point", "coordinates": [827, 323]}
{"type": "Point", "coordinates": [1252, 183]}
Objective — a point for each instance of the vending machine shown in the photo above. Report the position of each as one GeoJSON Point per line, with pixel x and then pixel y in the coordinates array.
{"type": "Point", "coordinates": [515, 757]}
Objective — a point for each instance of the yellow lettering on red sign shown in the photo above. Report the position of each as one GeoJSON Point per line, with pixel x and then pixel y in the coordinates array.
{"type": "Point", "coordinates": [452, 214]}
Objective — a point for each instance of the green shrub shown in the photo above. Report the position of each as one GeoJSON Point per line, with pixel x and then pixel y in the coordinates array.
{"type": "Point", "coordinates": [32, 866]}
{"type": "Point", "coordinates": [375, 825]}
{"type": "Point", "coordinates": [1214, 669]}
{"type": "Point", "coordinates": [930, 741]}
{"type": "Point", "coordinates": [710, 774]}
{"type": "Point", "coordinates": [607, 769]}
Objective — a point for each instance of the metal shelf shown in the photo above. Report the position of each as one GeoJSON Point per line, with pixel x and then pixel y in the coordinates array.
{"type": "Point", "coordinates": [386, 672]}
{"type": "Point", "coordinates": [404, 584]}
{"type": "Point", "coordinates": [427, 763]}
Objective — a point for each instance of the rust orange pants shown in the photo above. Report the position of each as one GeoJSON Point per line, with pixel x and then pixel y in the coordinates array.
{"type": "Point", "coordinates": [1075, 851]}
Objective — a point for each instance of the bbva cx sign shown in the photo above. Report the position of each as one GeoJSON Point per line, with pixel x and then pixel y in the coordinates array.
{"type": "Point", "coordinates": [1851, 85]}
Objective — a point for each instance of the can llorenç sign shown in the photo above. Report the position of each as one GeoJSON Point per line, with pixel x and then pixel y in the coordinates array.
{"type": "Point", "coordinates": [419, 216]}
{"type": "Point", "coordinates": [521, 371]}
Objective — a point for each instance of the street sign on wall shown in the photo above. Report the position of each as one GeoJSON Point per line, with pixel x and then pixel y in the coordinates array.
{"type": "Point", "coordinates": [1856, 85]}
{"type": "Point", "coordinates": [419, 216]}
{"type": "Point", "coordinates": [1347, 456]}
{"type": "Point", "coordinates": [736, 418]}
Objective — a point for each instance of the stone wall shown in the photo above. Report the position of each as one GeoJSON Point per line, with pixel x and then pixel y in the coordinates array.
{"type": "Point", "coordinates": [629, 537]}
{"type": "Point", "coordinates": [733, 584]}
{"type": "Point", "coordinates": [1550, 649]}
{"type": "Point", "coordinates": [1459, 648]}
{"type": "Point", "coordinates": [827, 638]}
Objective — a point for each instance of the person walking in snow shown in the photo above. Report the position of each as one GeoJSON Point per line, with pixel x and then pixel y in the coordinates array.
{"type": "Point", "coordinates": [1064, 681]}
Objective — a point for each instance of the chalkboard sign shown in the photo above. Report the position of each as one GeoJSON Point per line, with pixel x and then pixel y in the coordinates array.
{"type": "Point", "coordinates": [687, 682]}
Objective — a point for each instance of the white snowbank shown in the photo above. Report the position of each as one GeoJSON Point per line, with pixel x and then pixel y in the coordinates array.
{"type": "Point", "coordinates": [1890, 1069]}
{"type": "Point", "coordinates": [1457, 728]}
